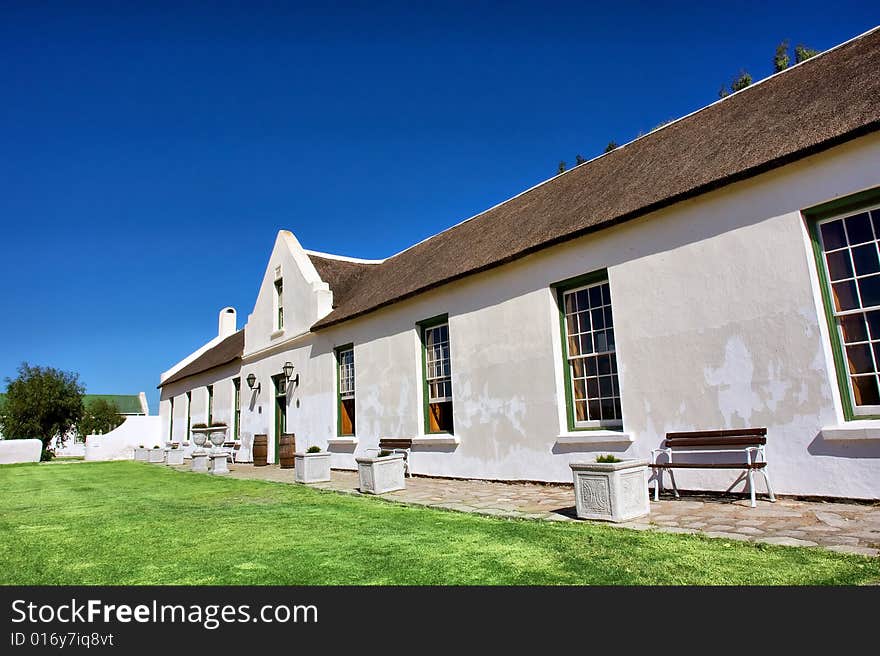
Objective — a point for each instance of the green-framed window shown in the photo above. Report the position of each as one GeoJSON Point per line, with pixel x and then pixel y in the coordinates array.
{"type": "Point", "coordinates": [436, 374]}
{"type": "Point", "coordinates": [210, 404]}
{"type": "Point", "coordinates": [279, 304]}
{"type": "Point", "coordinates": [236, 408]}
{"type": "Point", "coordinates": [846, 242]}
{"type": "Point", "coordinates": [589, 354]}
{"type": "Point", "coordinates": [345, 422]}
{"type": "Point", "coordinates": [171, 420]}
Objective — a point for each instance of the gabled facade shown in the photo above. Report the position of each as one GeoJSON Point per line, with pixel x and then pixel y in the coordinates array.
{"type": "Point", "coordinates": [720, 276]}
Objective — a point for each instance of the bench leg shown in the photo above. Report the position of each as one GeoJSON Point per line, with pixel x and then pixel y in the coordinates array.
{"type": "Point", "coordinates": [658, 482]}
{"type": "Point", "coordinates": [674, 485]}
{"type": "Point", "coordinates": [751, 478]}
{"type": "Point", "coordinates": [767, 481]}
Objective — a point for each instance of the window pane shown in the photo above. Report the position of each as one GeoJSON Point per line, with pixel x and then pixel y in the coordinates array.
{"type": "Point", "coordinates": [601, 342]}
{"type": "Point", "coordinates": [574, 347]}
{"type": "Point", "coordinates": [832, 235]}
{"type": "Point", "coordinates": [595, 297]}
{"type": "Point", "coordinates": [845, 295]}
{"type": "Point", "coordinates": [591, 366]}
{"type": "Point", "coordinates": [865, 259]}
{"type": "Point", "coordinates": [593, 387]}
{"type": "Point", "coordinates": [604, 363]}
{"type": "Point", "coordinates": [869, 288]}
{"type": "Point", "coordinates": [858, 229]}
{"type": "Point", "coordinates": [839, 265]}
{"type": "Point", "coordinates": [595, 413]}
{"type": "Point", "coordinates": [865, 390]}
{"type": "Point", "coordinates": [586, 344]}
{"type": "Point", "coordinates": [580, 389]}
{"type": "Point", "coordinates": [874, 323]}
{"type": "Point", "coordinates": [578, 368]}
{"type": "Point", "coordinates": [859, 358]}
{"type": "Point", "coordinates": [580, 408]}
{"type": "Point", "coordinates": [598, 317]}
{"type": "Point", "coordinates": [609, 321]}
{"type": "Point", "coordinates": [853, 327]}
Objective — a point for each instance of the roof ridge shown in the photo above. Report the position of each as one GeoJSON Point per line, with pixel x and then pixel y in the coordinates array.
{"type": "Point", "coordinates": [342, 258]}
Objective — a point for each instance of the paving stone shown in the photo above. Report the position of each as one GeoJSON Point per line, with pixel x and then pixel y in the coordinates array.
{"type": "Point", "coordinates": [749, 530]}
{"type": "Point", "coordinates": [788, 542]}
{"type": "Point", "coordinates": [697, 525]}
{"type": "Point", "coordinates": [675, 529]}
{"type": "Point", "coordinates": [850, 549]}
{"type": "Point", "coordinates": [833, 519]}
{"type": "Point", "coordinates": [720, 527]}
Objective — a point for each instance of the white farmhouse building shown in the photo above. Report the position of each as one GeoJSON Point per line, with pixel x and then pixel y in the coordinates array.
{"type": "Point", "coordinates": [719, 272]}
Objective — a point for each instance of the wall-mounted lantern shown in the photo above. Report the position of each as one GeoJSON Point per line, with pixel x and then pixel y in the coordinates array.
{"type": "Point", "coordinates": [252, 382]}
{"type": "Point", "coordinates": [288, 373]}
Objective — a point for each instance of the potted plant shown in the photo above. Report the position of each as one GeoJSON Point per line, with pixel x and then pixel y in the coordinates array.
{"type": "Point", "coordinates": [382, 473]}
{"type": "Point", "coordinates": [313, 466]}
{"type": "Point", "coordinates": [611, 489]}
{"type": "Point", "coordinates": [156, 455]}
{"type": "Point", "coordinates": [140, 453]}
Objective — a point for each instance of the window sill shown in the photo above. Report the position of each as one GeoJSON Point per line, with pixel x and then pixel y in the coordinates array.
{"type": "Point", "coordinates": [435, 440]}
{"type": "Point", "coordinates": [588, 437]}
{"type": "Point", "coordinates": [857, 430]}
{"type": "Point", "coordinates": [342, 441]}
{"type": "Point", "coordinates": [277, 334]}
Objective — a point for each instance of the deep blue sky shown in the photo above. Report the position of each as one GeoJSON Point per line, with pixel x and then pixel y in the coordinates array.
{"type": "Point", "coordinates": [148, 157]}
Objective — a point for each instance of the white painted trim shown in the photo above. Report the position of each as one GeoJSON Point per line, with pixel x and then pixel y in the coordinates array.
{"type": "Point", "coordinates": [439, 440]}
{"type": "Point", "coordinates": [589, 437]}
{"type": "Point", "coordinates": [342, 258]}
{"type": "Point", "coordinates": [865, 429]}
{"type": "Point", "coordinates": [276, 333]}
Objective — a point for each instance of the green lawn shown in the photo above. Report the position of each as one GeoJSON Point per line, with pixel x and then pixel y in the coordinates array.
{"type": "Point", "coordinates": [133, 523]}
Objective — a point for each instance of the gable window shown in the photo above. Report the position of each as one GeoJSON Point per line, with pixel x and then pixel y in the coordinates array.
{"type": "Point", "coordinates": [236, 408]}
{"type": "Point", "coordinates": [589, 357]}
{"type": "Point", "coordinates": [345, 385]}
{"type": "Point", "coordinates": [437, 372]}
{"type": "Point", "coordinates": [279, 304]}
{"type": "Point", "coordinates": [845, 237]}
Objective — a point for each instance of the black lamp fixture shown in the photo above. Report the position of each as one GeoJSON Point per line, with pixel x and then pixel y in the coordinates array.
{"type": "Point", "coordinates": [288, 372]}
{"type": "Point", "coordinates": [252, 382]}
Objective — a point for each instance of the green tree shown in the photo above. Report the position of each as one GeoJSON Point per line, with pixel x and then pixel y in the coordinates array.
{"type": "Point", "coordinates": [99, 417]}
{"type": "Point", "coordinates": [803, 53]}
{"type": "Point", "coordinates": [561, 168]}
{"type": "Point", "coordinates": [781, 59]}
{"type": "Point", "coordinates": [42, 403]}
{"type": "Point", "coordinates": [740, 82]}
{"type": "Point", "coordinates": [612, 145]}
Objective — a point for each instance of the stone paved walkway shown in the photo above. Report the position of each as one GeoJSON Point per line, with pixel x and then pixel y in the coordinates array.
{"type": "Point", "coordinates": [844, 527]}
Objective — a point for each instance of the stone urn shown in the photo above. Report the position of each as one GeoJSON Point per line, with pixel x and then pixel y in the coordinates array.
{"type": "Point", "coordinates": [156, 455]}
{"type": "Point", "coordinates": [312, 467]}
{"type": "Point", "coordinates": [611, 491]}
{"type": "Point", "coordinates": [381, 474]}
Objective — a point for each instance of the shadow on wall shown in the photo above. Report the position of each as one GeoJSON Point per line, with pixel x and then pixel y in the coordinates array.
{"type": "Point", "coordinates": [579, 448]}
{"type": "Point", "coordinates": [843, 449]}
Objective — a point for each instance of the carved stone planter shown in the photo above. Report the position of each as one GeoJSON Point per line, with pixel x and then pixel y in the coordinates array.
{"type": "Point", "coordinates": [612, 491]}
{"type": "Point", "coordinates": [140, 454]}
{"type": "Point", "coordinates": [312, 467]}
{"type": "Point", "coordinates": [173, 457]}
{"type": "Point", "coordinates": [156, 456]}
{"type": "Point", "coordinates": [380, 475]}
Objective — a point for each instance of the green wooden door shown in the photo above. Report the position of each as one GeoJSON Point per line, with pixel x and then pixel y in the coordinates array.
{"type": "Point", "coordinates": [280, 411]}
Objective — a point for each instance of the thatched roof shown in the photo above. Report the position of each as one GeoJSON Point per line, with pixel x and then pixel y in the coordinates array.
{"type": "Point", "coordinates": [823, 102]}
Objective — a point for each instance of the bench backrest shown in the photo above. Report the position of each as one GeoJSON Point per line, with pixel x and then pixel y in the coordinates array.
{"type": "Point", "coordinates": [730, 437]}
{"type": "Point", "coordinates": [395, 443]}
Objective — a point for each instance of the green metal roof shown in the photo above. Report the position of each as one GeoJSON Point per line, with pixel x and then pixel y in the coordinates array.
{"type": "Point", "coordinates": [126, 404]}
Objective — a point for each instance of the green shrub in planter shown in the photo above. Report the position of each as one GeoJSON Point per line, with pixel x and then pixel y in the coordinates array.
{"type": "Point", "coordinates": [383, 453]}
{"type": "Point", "coordinates": [608, 458]}
{"type": "Point", "coordinates": [313, 449]}
{"type": "Point", "coordinates": [199, 425]}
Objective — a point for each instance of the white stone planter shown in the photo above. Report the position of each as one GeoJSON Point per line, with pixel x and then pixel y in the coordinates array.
{"type": "Point", "coordinates": [380, 475]}
{"type": "Point", "coordinates": [311, 467]}
{"type": "Point", "coordinates": [140, 454]}
{"type": "Point", "coordinates": [174, 457]}
{"type": "Point", "coordinates": [156, 456]}
{"type": "Point", "coordinates": [612, 491]}
{"type": "Point", "coordinates": [200, 461]}
{"type": "Point", "coordinates": [218, 464]}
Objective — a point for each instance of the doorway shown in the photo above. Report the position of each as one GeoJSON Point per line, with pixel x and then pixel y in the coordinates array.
{"type": "Point", "coordinates": [279, 384]}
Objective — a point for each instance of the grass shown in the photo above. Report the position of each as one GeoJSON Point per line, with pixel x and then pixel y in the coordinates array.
{"type": "Point", "coordinates": [127, 523]}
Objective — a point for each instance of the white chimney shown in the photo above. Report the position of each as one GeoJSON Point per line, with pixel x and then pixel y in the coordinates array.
{"type": "Point", "coordinates": [226, 324]}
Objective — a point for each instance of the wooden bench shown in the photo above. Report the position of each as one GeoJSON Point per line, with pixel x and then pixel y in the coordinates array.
{"type": "Point", "coordinates": [749, 442]}
{"type": "Point", "coordinates": [397, 445]}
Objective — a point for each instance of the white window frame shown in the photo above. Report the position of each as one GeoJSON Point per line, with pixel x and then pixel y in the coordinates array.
{"type": "Point", "coordinates": [857, 410]}
{"type": "Point", "coordinates": [590, 423]}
